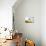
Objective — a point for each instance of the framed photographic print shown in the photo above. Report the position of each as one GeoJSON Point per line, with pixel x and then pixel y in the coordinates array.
{"type": "Point", "coordinates": [29, 19]}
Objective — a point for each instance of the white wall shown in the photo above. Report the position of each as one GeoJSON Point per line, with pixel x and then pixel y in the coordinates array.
{"type": "Point", "coordinates": [6, 13]}
{"type": "Point", "coordinates": [43, 22]}
{"type": "Point", "coordinates": [29, 8]}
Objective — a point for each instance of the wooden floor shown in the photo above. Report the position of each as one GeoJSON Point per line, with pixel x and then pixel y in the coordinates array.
{"type": "Point", "coordinates": [9, 43]}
